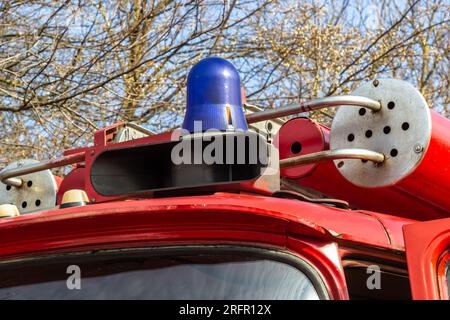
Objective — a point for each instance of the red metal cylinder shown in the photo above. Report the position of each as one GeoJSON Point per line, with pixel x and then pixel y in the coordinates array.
{"type": "Point", "coordinates": [430, 181]}
{"type": "Point", "coordinates": [406, 199]}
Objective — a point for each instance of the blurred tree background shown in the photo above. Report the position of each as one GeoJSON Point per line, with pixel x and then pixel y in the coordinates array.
{"type": "Point", "coordinates": [69, 67]}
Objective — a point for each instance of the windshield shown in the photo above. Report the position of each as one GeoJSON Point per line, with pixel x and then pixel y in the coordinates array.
{"type": "Point", "coordinates": [169, 275]}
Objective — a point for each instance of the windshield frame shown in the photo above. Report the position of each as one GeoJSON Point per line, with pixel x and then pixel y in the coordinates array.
{"type": "Point", "coordinates": [275, 254]}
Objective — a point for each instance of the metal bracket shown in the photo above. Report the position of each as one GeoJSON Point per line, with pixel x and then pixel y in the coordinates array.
{"type": "Point", "coordinates": [9, 174]}
{"type": "Point", "coordinates": [350, 153]}
{"type": "Point", "coordinates": [315, 104]}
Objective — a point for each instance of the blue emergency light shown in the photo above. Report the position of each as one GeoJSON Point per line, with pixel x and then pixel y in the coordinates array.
{"type": "Point", "coordinates": [214, 97]}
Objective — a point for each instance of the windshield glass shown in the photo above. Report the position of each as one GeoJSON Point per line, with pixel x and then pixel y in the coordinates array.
{"type": "Point", "coordinates": [171, 275]}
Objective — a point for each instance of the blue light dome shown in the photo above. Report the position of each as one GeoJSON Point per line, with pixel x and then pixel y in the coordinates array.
{"type": "Point", "coordinates": [214, 96]}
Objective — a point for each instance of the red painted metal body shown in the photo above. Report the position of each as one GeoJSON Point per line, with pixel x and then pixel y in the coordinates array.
{"type": "Point", "coordinates": [310, 135]}
{"type": "Point", "coordinates": [430, 181]}
{"type": "Point", "coordinates": [103, 139]}
{"type": "Point", "coordinates": [326, 237]}
{"type": "Point", "coordinates": [428, 252]}
{"type": "Point", "coordinates": [311, 231]}
{"type": "Point", "coordinates": [423, 195]}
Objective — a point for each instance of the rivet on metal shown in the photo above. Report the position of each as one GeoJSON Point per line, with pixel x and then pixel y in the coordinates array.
{"type": "Point", "coordinates": [418, 148]}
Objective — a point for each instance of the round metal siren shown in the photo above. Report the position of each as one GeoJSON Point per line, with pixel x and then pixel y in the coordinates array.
{"type": "Point", "coordinates": [37, 193]}
{"type": "Point", "coordinates": [401, 130]}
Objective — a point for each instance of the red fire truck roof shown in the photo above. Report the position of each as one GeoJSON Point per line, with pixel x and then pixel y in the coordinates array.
{"type": "Point", "coordinates": [169, 218]}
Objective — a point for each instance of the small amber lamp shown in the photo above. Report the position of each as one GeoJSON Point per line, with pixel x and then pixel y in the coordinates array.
{"type": "Point", "coordinates": [74, 198]}
{"type": "Point", "coordinates": [8, 211]}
